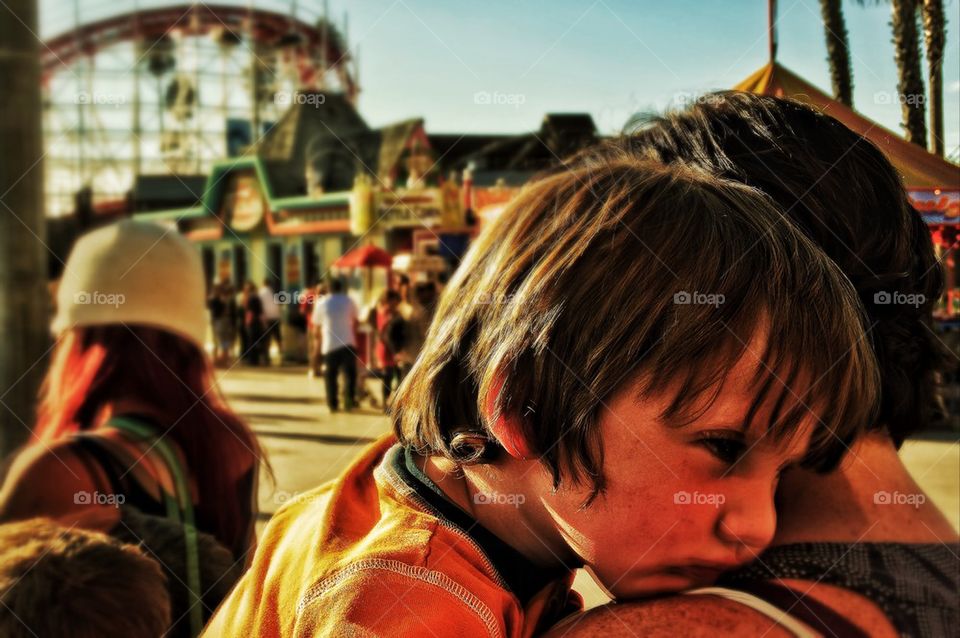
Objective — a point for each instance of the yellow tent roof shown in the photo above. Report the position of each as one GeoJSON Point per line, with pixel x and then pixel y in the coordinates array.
{"type": "Point", "coordinates": [919, 168]}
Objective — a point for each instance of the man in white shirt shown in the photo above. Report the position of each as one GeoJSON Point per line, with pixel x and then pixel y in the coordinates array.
{"type": "Point", "coordinates": [336, 317]}
{"type": "Point", "coordinates": [271, 318]}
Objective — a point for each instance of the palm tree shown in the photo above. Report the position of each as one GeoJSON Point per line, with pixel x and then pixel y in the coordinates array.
{"type": "Point", "coordinates": [934, 35]}
{"type": "Point", "coordinates": [910, 91]}
{"type": "Point", "coordinates": [906, 44]}
{"type": "Point", "coordinates": [838, 50]}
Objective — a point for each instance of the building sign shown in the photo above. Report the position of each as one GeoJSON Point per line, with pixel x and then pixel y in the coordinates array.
{"type": "Point", "coordinates": [243, 205]}
{"type": "Point", "coordinates": [492, 196]}
{"type": "Point", "coordinates": [489, 203]}
{"type": "Point", "coordinates": [937, 206]}
{"type": "Point", "coordinates": [409, 208]}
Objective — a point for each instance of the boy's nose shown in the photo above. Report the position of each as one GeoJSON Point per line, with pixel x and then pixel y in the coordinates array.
{"type": "Point", "coordinates": [748, 521]}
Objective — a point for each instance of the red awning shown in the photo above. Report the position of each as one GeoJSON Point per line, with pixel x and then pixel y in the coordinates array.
{"type": "Point", "coordinates": [365, 257]}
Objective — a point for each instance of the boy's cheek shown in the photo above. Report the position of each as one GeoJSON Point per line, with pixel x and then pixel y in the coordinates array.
{"type": "Point", "coordinates": [624, 520]}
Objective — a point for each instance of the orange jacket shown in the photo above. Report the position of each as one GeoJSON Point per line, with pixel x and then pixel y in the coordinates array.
{"type": "Point", "coordinates": [361, 557]}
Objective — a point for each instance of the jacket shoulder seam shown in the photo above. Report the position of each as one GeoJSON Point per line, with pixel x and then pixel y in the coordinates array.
{"type": "Point", "coordinates": [422, 574]}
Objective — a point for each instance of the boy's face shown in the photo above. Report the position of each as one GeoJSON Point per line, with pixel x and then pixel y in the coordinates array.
{"type": "Point", "coordinates": [683, 503]}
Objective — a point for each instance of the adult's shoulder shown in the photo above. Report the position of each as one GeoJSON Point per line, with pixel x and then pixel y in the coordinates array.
{"type": "Point", "coordinates": [47, 479]}
{"type": "Point", "coordinates": [695, 616]}
{"type": "Point", "coordinates": [708, 615]}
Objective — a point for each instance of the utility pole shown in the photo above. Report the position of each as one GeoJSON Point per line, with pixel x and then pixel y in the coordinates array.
{"type": "Point", "coordinates": [24, 332]}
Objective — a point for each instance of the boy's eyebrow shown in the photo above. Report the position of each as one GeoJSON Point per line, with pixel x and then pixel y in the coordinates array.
{"type": "Point", "coordinates": [740, 426]}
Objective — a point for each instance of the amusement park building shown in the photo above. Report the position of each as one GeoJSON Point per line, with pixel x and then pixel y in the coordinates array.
{"type": "Point", "coordinates": [236, 123]}
{"type": "Point", "coordinates": [321, 181]}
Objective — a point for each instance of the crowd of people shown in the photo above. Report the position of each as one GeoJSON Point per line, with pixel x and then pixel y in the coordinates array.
{"type": "Point", "coordinates": [245, 323]}
{"type": "Point", "coordinates": [663, 363]}
{"type": "Point", "coordinates": [396, 327]}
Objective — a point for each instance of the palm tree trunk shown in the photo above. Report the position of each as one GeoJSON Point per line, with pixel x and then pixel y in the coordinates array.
{"type": "Point", "coordinates": [838, 50]}
{"type": "Point", "coordinates": [934, 34]}
{"type": "Point", "coordinates": [910, 85]}
{"type": "Point", "coordinates": [24, 333]}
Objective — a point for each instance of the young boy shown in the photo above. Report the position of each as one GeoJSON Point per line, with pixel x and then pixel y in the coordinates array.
{"type": "Point", "coordinates": [58, 581]}
{"type": "Point", "coordinates": [614, 379]}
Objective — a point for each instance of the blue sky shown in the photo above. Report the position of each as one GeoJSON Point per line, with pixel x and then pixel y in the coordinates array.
{"type": "Point", "coordinates": [611, 58]}
{"type": "Point", "coordinates": [607, 57]}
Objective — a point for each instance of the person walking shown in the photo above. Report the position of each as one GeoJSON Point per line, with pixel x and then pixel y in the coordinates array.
{"type": "Point", "coordinates": [336, 317]}
{"type": "Point", "coordinates": [253, 325]}
{"type": "Point", "coordinates": [418, 318]}
{"type": "Point", "coordinates": [307, 305]}
{"type": "Point", "coordinates": [239, 320]}
{"type": "Point", "coordinates": [391, 337]}
{"type": "Point", "coordinates": [271, 320]}
{"type": "Point", "coordinates": [222, 310]}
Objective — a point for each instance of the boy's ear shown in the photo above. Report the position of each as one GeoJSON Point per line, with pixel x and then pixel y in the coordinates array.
{"type": "Point", "coordinates": [507, 429]}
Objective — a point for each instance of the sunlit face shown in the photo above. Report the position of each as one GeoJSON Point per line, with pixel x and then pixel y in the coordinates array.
{"type": "Point", "coordinates": [683, 503]}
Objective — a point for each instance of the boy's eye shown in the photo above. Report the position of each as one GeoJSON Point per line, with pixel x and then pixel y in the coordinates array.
{"type": "Point", "coordinates": [727, 449]}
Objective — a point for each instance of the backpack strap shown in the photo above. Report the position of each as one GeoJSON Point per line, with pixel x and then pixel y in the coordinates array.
{"type": "Point", "coordinates": [817, 615]}
{"type": "Point", "coordinates": [179, 508]}
{"type": "Point", "coordinates": [782, 618]}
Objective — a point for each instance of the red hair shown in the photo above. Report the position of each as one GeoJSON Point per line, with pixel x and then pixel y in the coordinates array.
{"type": "Point", "coordinates": [96, 366]}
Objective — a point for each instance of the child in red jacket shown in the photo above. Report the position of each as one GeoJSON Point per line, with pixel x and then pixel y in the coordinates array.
{"type": "Point", "coordinates": [615, 377]}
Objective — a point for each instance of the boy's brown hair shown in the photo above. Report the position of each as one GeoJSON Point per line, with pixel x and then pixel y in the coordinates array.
{"type": "Point", "coordinates": [624, 270]}
{"type": "Point", "coordinates": [56, 581]}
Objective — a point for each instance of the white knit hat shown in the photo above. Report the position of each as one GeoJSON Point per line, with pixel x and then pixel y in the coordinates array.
{"type": "Point", "coordinates": [133, 273]}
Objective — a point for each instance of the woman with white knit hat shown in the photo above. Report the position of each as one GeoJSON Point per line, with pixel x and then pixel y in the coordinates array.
{"type": "Point", "coordinates": [129, 413]}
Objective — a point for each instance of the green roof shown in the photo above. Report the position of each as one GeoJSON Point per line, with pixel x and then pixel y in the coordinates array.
{"type": "Point", "coordinates": [213, 192]}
